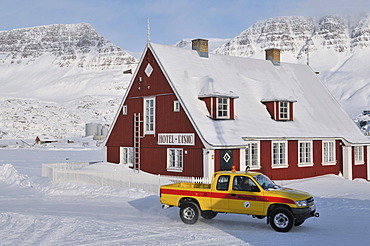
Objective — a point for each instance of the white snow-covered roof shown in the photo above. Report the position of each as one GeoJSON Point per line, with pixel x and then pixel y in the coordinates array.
{"type": "Point", "coordinates": [316, 113]}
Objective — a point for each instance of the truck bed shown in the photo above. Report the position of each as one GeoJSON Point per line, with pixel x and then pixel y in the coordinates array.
{"type": "Point", "coordinates": [187, 185]}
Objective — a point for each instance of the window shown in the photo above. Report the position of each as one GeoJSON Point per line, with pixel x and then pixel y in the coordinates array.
{"type": "Point", "coordinates": [174, 160]}
{"type": "Point", "coordinates": [284, 110]}
{"type": "Point", "coordinates": [243, 183]}
{"type": "Point", "coordinates": [305, 153]}
{"type": "Point", "coordinates": [223, 108]}
{"type": "Point", "coordinates": [149, 113]}
{"type": "Point", "coordinates": [359, 155]}
{"type": "Point", "coordinates": [127, 155]}
{"type": "Point", "coordinates": [223, 182]}
{"type": "Point", "coordinates": [279, 154]}
{"type": "Point", "coordinates": [124, 109]}
{"type": "Point", "coordinates": [252, 157]}
{"type": "Point", "coordinates": [328, 153]}
{"type": "Point", "coordinates": [176, 106]}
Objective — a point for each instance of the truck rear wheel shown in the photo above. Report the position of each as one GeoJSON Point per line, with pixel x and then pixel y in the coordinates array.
{"type": "Point", "coordinates": [281, 220]}
{"type": "Point", "coordinates": [189, 212]}
{"type": "Point", "coordinates": [208, 214]}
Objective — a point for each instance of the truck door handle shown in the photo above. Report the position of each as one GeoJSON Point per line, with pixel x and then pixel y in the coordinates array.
{"type": "Point", "coordinates": [232, 194]}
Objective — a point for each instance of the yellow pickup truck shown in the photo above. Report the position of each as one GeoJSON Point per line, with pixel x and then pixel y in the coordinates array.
{"type": "Point", "coordinates": [239, 192]}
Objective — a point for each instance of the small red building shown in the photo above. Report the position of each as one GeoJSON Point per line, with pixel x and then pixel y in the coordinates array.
{"type": "Point", "coordinates": [190, 113]}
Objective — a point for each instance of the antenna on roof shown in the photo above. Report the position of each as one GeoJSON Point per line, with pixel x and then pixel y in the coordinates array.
{"type": "Point", "coordinates": [148, 31]}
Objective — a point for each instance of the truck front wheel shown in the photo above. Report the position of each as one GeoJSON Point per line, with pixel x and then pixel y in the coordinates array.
{"type": "Point", "coordinates": [281, 220]}
{"type": "Point", "coordinates": [189, 212]}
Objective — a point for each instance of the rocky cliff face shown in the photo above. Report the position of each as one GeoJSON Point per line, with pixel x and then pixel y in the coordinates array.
{"type": "Point", "coordinates": [69, 44]}
{"type": "Point", "coordinates": [294, 35]}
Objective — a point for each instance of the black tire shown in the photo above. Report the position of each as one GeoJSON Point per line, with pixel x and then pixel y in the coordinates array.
{"type": "Point", "coordinates": [298, 223]}
{"type": "Point", "coordinates": [208, 214]}
{"type": "Point", "coordinates": [281, 220]}
{"type": "Point", "coordinates": [189, 213]}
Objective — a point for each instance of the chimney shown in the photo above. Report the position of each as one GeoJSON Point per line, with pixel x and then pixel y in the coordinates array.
{"type": "Point", "coordinates": [201, 46]}
{"type": "Point", "coordinates": [273, 55]}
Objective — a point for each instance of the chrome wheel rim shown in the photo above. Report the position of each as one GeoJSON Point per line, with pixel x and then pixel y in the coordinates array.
{"type": "Point", "coordinates": [281, 220]}
{"type": "Point", "coordinates": [189, 213]}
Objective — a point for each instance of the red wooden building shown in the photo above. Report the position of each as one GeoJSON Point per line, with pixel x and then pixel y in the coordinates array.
{"type": "Point", "coordinates": [190, 113]}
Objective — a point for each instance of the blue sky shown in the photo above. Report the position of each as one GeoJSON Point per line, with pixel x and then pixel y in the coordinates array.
{"type": "Point", "coordinates": [124, 22]}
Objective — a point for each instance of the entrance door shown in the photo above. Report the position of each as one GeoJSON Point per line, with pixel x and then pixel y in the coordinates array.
{"type": "Point", "coordinates": [226, 160]}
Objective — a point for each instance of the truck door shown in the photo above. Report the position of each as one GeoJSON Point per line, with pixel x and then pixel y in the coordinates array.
{"type": "Point", "coordinates": [245, 196]}
{"type": "Point", "coordinates": [220, 194]}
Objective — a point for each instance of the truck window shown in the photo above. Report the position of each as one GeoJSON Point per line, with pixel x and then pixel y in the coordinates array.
{"type": "Point", "coordinates": [223, 182]}
{"type": "Point", "coordinates": [243, 183]}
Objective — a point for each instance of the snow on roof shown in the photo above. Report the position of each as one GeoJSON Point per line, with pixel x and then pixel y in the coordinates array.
{"type": "Point", "coordinates": [316, 113]}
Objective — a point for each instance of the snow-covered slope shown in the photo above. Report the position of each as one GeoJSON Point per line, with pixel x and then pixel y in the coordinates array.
{"type": "Point", "coordinates": [56, 78]}
{"type": "Point", "coordinates": [213, 43]}
{"type": "Point", "coordinates": [335, 46]}
{"type": "Point", "coordinates": [35, 211]}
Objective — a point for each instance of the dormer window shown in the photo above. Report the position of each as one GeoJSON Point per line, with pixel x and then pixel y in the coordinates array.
{"type": "Point", "coordinates": [284, 111]}
{"type": "Point", "coordinates": [280, 109]}
{"type": "Point", "coordinates": [220, 105]}
{"type": "Point", "coordinates": [223, 108]}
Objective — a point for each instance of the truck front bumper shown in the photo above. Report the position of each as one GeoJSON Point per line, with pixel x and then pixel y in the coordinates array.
{"type": "Point", "coordinates": [301, 214]}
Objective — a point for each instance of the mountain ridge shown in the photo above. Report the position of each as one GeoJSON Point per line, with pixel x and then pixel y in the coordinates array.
{"type": "Point", "coordinates": [69, 43]}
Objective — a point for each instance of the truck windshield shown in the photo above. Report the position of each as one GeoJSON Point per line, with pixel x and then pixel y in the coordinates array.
{"type": "Point", "coordinates": [265, 182]}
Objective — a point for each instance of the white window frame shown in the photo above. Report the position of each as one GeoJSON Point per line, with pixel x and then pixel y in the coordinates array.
{"type": "Point", "coordinates": [227, 110]}
{"type": "Point", "coordinates": [280, 164]}
{"type": "Point", "coordinates": [359, 155]}
{"type": "Point", "coordinates": [124, 110]}
{"type": "Point", "coordinates": [126, 155]}
{"type": "Point", "coordinates": [176, 106]}
{"type": "Point", "coordinates": [250, 158]}
{"type": "Point", "coordinates": [328, 153]}
{"type": "Point", "coordinates": [285, 113]}
{"type": "Point", "coordinates": [149, 127]}
{"type": "Point", "coordinates": [175, 159]}
{"type": "Point", "coordinates": [305, 153]}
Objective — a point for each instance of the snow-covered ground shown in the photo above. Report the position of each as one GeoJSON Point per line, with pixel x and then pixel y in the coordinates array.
{"type": "Point", "coordinates": [34, 211]}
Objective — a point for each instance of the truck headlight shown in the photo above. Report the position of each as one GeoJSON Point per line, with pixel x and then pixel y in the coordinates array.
{"type": "Point", "coordinates": [301, 203]}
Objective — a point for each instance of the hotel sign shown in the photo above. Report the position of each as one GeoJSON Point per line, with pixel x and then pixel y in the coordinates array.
{"type": "Point", "coordinates": [176, 139]}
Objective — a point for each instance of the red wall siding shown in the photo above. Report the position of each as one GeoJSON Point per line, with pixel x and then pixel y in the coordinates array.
{"type": "Point", "coordinates": [359, 171]}
{"type": "Point", "coordinates": [214, 108]}
{"type": "Point", "coordinates": [232, 116]}
{"type": "Point", "coordinates": [217, 160]}
{"type": "Point", "coordinates": [294, 171]}
{"type": "Point", "coordinates": [270, 108]}
{"type": "Point", "coordinates": [276, 112]}
{"type": "Point", "coordinates": [208, 102]}
{"type": "Point", "coordinates": [114, 154]}
{"type": "Point", "coordinates": [291, 111]}
{"type": "Point", "coordinates": [265, 157]}
{"type": "Point", "coordinates": [154, 156]}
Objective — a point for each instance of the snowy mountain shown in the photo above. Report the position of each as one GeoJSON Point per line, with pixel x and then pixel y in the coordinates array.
{"type": "Point", "coordinates": [68, 44]}
{"type": "Point", "coordinates": [335, 46]}
{"type": "Point", "coordinates": [56, 78]}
